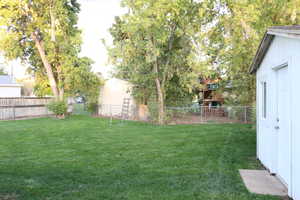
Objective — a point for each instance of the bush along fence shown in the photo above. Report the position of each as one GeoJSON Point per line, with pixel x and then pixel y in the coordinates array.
{"type": "Point", "coordinates": [23, 107]}
{"type": "Point", "coordinates": [30, 107]}
{"type": "Point", "coordinates": [183, 115]}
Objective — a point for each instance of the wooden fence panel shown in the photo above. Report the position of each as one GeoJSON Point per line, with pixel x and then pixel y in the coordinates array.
{"type": "Point", "coordinates": [23, 107]}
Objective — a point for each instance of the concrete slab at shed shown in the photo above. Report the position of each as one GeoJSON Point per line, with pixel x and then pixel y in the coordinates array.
{"type": "Point", "coordinates": [261, 182]}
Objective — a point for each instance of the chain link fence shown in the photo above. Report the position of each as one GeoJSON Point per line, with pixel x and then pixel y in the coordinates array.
{"type": "Point", "coordinates": [116, 112]}
{"type": "Point", "coordinates": [184, 115]}
{"type": "Point", "coordinates": [209, 114]}
{"type": "Point", "coordinates": [30, 107]}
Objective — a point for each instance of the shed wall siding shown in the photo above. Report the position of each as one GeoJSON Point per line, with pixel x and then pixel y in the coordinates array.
{"type": "Point", "coordinates": [281, 50]}
{"type": "Point", "coordinates": [295, 116]}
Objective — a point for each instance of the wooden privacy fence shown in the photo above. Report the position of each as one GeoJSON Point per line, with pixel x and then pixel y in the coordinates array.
{"type": "Point", "coordinates": [23, 107]}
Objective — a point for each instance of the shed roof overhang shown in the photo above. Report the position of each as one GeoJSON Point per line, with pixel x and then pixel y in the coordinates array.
{"type": "Point", "coordinates": [284, 31]}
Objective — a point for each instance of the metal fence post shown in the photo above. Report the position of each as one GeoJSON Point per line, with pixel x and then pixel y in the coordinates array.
{"type": "Point", "coordinates": [97, 110]}
{"type": "Point", "coordinates": [46, 111]}
{"type": "Point", "coordinates": [245, 114]}
{"type": "Point", "coordinates": [110, 110]}
{"type": "Point", "coordinates": [205, 113]}
{"type": "Point", "coordinates": [201, 113]}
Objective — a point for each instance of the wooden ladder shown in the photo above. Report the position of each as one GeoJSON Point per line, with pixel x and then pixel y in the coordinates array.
{"type": "Point", "coordinates": [125, 108]}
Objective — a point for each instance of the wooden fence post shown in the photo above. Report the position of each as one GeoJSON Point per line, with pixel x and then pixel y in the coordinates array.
{"type": "Point", "coordinates": [14, 112]}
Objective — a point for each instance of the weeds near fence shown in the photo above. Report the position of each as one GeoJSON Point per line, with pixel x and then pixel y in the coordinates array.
{"type": "Point", "coordinates": [15, 108]}
{"type": "Point", "coordinates": [186, 115]}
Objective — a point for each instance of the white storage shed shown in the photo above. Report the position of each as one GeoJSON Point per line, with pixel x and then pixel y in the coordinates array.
{"type": "Point", "coordinates": [277, 69]}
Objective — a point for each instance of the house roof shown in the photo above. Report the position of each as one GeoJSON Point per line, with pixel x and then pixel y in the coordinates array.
{"type": "Point", "coordinates": [6, 79]}
{"type": "Point", "coordinates": [284, 31]}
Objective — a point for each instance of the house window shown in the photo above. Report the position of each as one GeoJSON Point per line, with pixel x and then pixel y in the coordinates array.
{"type": "Point", "coordinates": [212, 86]}
{"type": "Point", "coordinates": [264, 100]}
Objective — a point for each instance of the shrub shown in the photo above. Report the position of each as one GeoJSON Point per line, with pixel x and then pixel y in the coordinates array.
{"type": "Point", "coordinates": [153, 110]}
{"type": "Point", "coordinates": [59, 108]}
{"type": "Point", "coordinates": [92, 107]}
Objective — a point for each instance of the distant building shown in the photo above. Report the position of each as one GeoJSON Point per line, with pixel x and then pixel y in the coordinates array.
{"type": "Point", "coordinates": [208, 95]}
{"type": "Point", "coordinates": [114, 91]}
{"type": "Point", "coordinates": [8, 87]}
{"type": "Point", "coordinates": [112, 96]}
{"type": "Point", "coordinates": [28, 84]}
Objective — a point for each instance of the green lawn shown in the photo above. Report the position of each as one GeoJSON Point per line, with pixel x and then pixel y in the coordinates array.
{"type": "Point", "coordinates": [85, 158]}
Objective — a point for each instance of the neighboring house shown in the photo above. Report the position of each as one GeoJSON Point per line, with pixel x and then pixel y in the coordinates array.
{"type": "Point", "coordinates": [112, 95]}
{"type": "Point", "coordinates": [210, 98]}
{"type": "Point", "coordinates": [277, 68]}
{"type": "Point", "coordinates": [208, 95]}
{"type": "Point", "coordinates": [8, 87]}
{"type": "Point", "coordinates": [27, 86]}
{"type": "Point", "coordinates": [114, 91]}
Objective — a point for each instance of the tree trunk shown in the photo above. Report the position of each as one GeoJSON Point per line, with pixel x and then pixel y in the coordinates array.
{"type": "Point", "coordinates": [61, 94]}
{"type": "Point", "coordinates": [41, 50]}
{"type": "Point", "coordinates": [160, 94]}
{"type": "Point", "coordinates": [61, 89]}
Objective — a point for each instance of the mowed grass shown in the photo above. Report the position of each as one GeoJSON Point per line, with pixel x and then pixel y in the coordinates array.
{"type": "Point", "coordinates": [85, 158]}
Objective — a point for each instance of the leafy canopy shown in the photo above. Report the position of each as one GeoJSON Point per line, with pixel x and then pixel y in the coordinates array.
{"type": "Point", "coordinates": [231, 34]}
{"type": "Point", "coordinates": [158, 32]}
{"type": "Point", "coordinates": [31, 29]}
{"type": "Point", "coordinates": [152, 48]}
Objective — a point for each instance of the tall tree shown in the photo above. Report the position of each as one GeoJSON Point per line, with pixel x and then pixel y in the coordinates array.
{"type": "Point", "coordinates": [43, 33]}
{"type": "Point", "coordinates": [233, 30]}
{"type": "Point", "coordinates": [153, 44]}
{"type": "Point", "coordinates": [2, 72]}
{"type": "Point", "coordinates": [2, 69]}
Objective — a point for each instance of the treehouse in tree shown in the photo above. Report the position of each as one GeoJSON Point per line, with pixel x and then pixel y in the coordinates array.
{"type": "Point", "coordinates": [208, 95]}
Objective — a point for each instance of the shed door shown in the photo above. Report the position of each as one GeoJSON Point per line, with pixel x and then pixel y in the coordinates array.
{"type": "Point", "coordinates": [282, 125]}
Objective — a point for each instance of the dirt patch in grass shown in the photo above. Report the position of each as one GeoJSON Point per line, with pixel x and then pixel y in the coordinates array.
{"type": "Point", "coordinates": [197, 119]}
{"type": "Point", "coordinates": [8, 197]}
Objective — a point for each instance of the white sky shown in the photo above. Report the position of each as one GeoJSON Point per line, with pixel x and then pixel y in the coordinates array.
{"type": "Point", "coordinates": [95, 18]}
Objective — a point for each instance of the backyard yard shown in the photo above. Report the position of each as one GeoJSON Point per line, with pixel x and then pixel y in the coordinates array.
{"type": "Point", "coordinates": [86, 158]}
